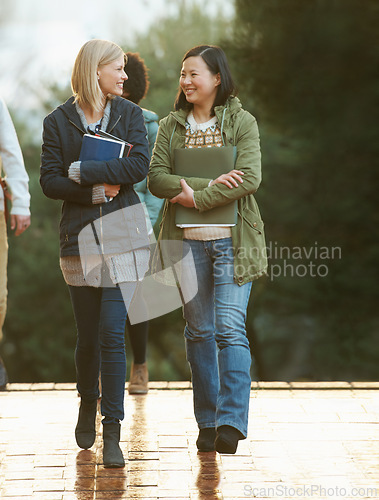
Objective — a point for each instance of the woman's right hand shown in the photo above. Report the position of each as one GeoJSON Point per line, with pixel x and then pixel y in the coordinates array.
{"type": "Point", "coordinates": [230, 179]}
{"type": "Point", "coordinates": [111, 190]}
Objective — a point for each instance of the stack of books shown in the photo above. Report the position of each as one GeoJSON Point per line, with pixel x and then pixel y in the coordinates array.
{"type": "Point", "coordinates": [103, 147]}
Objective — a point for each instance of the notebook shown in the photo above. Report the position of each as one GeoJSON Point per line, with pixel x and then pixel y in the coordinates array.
{"type": "Point", "coordinates": [207, 163]}
{"type": "Point", "coordinates": [99, 148]}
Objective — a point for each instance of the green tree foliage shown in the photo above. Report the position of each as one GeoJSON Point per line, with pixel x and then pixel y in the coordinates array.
{"type": "Point", "coordinates": [40, 329]}
{"type": "Point", "coordinates": [165, 44]}
{"type": "Point", "coordinates": [308, 71]}
{"type": "Point", "coordinates": [163, 48]}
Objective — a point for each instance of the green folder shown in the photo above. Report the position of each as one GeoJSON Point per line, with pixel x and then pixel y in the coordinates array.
{"type": "Point", "coordinates": [208, 163]}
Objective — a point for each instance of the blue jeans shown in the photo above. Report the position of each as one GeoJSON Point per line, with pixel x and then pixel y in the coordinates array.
{"type": "Point", "coordinates": [216, 344]}
{"type": "Point", "coordinates": [100, 315]}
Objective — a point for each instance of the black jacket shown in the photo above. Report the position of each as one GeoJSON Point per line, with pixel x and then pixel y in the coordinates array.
{"type": "Point", "coordinates": [62, 139]}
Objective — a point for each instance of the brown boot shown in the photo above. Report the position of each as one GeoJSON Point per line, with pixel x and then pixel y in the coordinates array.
{"type": "Point", "coordinates": [139, 377]}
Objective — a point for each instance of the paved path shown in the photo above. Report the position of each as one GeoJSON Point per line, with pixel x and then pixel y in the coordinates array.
{"type": "Point", "coordinates": [305, 441]}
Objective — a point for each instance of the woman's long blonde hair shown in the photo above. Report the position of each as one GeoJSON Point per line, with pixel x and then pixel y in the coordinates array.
{"type": "Point", "coordinates": [84, 81]}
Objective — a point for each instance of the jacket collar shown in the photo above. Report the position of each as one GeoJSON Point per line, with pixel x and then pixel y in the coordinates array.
{"type": "Point", "coordinates": [231, 107]}
{"type": "Point", "coordinates": [68, 108]}
{"type": "Point", "coordinates": [180, 116]}
{"type": "Point", "coordinates": [223, 113]}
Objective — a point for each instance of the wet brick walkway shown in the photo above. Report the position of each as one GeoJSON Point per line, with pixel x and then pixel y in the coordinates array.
{"type": "Point", "coordinates": [305, 441]}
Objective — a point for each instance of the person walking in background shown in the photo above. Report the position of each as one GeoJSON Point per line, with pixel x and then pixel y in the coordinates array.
{"type": "Point", "coordinates": [91, 190]}
{"type": "Point", "coordinates": [226, 259]}
{"type": "Point", "coordinates": [16, 180]}
{"type": "Point", "coordinates": [135, 89]}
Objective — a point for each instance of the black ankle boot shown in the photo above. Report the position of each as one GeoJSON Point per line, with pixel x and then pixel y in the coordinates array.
{"type": "Point", "coordinates": [85, 430]}
{"type": "Point", "coordinates": [206, 439]}
{"type": "Point", "coordinates": [112, 454]}
{"type": "Point", "coordinates": [227, 439]}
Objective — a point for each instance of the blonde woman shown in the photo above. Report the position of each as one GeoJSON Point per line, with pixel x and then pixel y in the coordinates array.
{"type": "Point", "coordinates": [90, 190]}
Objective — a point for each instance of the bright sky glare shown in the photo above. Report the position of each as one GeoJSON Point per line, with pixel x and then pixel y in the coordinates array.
{"type": "Point", "coordinates": [39, 39]}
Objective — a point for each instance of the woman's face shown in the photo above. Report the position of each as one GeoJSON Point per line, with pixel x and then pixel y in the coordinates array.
{"type": "Point", "coordinates": [111, 77]}
{"type": "Point", "coordinates": [198, 83]}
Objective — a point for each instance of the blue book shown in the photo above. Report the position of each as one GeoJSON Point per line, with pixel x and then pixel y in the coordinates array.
{"type": "Point", "coordinates": [99, 148]}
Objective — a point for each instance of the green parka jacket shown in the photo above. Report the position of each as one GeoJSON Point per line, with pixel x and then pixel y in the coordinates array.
{"type": "Point", "coordinates": [238, 128]}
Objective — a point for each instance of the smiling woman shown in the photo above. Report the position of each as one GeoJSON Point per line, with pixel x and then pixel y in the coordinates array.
{"type": "Point", "coordinates": [199, 85]}
{"type": "Point", "coordinates": [112, 76]}
{"type": "Point", "coordinates": [98, 75]}
{"type": "Point", "coordinates": [90, 189]}
{"type": "Point", "coordinates": [208, 115]}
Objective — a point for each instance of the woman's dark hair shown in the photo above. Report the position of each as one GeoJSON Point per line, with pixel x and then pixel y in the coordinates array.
{"type": "Point", "coordinates": [137, 84]}
{"type": "Point", "coordinates": [216, 60]}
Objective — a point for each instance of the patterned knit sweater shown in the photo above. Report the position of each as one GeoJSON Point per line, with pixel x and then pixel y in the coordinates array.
{"type": "Point", "coordinates": [204, 135]}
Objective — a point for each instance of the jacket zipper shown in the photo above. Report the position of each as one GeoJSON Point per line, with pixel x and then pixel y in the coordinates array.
{"type": "Point", "coordinates": [110, 130]}
{"type": "Point", "coordinates": [82, 131]}
{"type": "Point", "coordinates": [66, 239]}
{"type": "Point", "coordinates": [76, 126]}
{"type": "Point", "coordinates": [101, 229]}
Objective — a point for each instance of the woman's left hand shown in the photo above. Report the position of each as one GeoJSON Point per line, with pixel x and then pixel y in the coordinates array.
{"type": "Point", "coordinates": [184, 198]}
{"type": "Point", "coordinates": [230, 179]}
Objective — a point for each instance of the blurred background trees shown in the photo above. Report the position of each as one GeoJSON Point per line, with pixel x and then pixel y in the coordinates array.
{"type": "Point", "coordinates": [308, 71]}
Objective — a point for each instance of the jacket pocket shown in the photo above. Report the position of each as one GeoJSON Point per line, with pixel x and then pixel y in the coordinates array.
{"type": "Point", "coordinates": [253, 220]}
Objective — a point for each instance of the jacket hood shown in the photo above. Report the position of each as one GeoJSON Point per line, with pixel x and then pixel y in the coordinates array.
{"type": "Point", "coordinates": [224, 113]}
{"type": "Point", "coordinates": [68, 108]}
{"type": "Point", "coordinates": [117, 105]}
{"type": "Point", "coordinates": [232, 106]}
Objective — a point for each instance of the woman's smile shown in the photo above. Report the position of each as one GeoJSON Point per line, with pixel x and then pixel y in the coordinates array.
{"type": "Point", "coordinates": [198, 83]}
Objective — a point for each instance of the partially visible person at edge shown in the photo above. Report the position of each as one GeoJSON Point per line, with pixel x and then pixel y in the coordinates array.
{"type": "Point", "coordinates": [90, 189]}
{"type": "Point", "coordinates": [135, 89]}
{"type": "Point", "coordinates": [12, 163]}
{"type": "Point", "coordinates": [209, 115]}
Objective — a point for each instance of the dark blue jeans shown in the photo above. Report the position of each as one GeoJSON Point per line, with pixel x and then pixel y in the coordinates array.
{"type": "Point", "coordinates": [100, 315]}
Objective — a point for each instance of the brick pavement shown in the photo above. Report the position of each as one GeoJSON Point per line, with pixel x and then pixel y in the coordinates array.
{"type": "Point", "coordinates": [305, 441]}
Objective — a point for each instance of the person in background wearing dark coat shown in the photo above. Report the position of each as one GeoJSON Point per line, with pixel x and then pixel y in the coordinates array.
{"type": "Point", "coordinates": [135, 89]}
{"type": "Point", "coordinates": [91, 190]}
